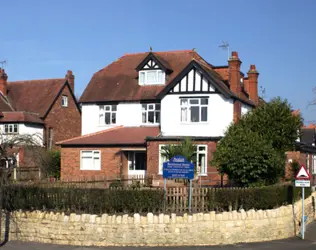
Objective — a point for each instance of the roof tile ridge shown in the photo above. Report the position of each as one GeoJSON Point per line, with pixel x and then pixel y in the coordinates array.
{"type": "Point", "coordinates": [36, 80]}
{"type": "Point", "coordinates": [6, 100]}
{"type": "Point", "coordinates": [91, 134]}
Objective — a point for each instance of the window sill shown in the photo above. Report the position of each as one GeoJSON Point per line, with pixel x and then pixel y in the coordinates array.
{"type": "Point", "coordinates": [194, 123]}
{"type": "Point", "coordinates": [202, 175]}
{"type": "Point", "coordinates": [150, 124]}
{"type": "Point", "coordinates": [107, 125]}
{"type": "Point", "coordinates": [90, 169]}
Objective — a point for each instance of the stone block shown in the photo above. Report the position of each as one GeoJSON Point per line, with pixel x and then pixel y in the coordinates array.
{"type": "Point", "coordinates": [173, 218]}
{"type": "Point", "coordinates": [206, 217]}
{"type": "Point", "coordinates": [156, 220]}
{"type": "Point", "coordinates": [104, 218]}
{"type": "Point", "coordinates": [150, 218]}
{"type": "Point", "coordinates": [219, 217]}
{"type": "Point", "coordinates": [166, 219]}
{"type": "Point", "coordinates": [160, 218]}
{"type": "Point", "coordinates": [125, 219]}
{"type": "Point", "coordinates": [212, 214]}
{"type": "Point", "coordinates": [136, 218]}
{"type": "Point", "coordinates": [118, 219]}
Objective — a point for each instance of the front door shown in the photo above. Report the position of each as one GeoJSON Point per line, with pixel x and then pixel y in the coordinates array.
{"type": "Point", "coordinates": [137, 164]}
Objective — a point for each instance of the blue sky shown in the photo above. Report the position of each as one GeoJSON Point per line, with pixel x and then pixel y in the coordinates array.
{"type": "Point", "coordinates": [42, 39]}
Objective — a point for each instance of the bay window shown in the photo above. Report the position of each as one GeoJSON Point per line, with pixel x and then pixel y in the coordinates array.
{"type": "Point", "coordinates": [151, 113]}
{"type": "Point", "coordinates": [107, 114]}
{"type": "Point", "coordinates": [194, 109]}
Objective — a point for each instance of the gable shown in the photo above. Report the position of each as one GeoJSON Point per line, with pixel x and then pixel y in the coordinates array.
{"type": "Point", "coordinates": [193, 82]}
{"type": "Point", "coordinates": [153, 62]}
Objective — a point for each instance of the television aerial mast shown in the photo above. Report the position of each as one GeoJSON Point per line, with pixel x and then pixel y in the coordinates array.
{"type": "Point", "coordinates": [225, 46]}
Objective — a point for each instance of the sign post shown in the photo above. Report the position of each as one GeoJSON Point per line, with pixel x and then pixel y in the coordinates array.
{"type": "Point", "coordinates": [302, 180]}
{"type": "Point", "coordinates": [179, 168]}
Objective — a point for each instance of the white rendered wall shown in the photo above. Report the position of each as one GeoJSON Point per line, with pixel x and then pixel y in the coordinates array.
{"type": "Point", "coordinates": [245, 109]}
{"type": "Point", "coordinates": [220, 115]}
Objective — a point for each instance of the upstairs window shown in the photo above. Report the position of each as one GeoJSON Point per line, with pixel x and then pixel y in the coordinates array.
{"type": "Point", "coordinates": [107, 114]}
{"type": "Point", "coordinates": [11, 128]}
{"type": "Point", "coordinates": [64, 101]}
{"type": "Point", "coordinates": [151, 113]}
{"type": "Point", "coordinates": [194, 110]}
{"type": "Point", "coordinates": [148, 77]}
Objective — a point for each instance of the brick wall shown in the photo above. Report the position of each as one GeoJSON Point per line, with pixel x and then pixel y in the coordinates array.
{"type": "Point", "coordinates": [213, 178]}
{"type": "Point", "coordinates": [70, 164]}
{"type": "Point", "coordinates": [65, 121]}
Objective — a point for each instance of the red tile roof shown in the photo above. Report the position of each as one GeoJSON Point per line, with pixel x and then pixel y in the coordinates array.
{"type": "Point", "coordinates": [19, 116]}
{"type": "Point", "coordinates": [118, 81]}
{"type": "Point", "coordinates": [115, 136]}
{"type": "Point", "coordinates": [5, 104]}
{"type": "Point", "coordinates": [34, 95]}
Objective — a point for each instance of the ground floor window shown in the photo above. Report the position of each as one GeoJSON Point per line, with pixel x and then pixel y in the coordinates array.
{"type": "Point", "coordinates": [314, 164]}
{"type": "Point", "coordinates": [90, 160]}
{"type": "Point", "coordinates": [136, 161]}
{"type": "Point", "coordinates": [199, 159]}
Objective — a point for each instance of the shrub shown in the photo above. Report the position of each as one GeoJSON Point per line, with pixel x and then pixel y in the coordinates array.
{"type": "Point", "coordinates": [79, 200]}
{"type": "Point", "coordinates": [225, 199]}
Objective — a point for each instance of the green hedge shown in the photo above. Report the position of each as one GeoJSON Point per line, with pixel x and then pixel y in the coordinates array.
{"type": "Point", "coordinates": [225, 199]}
{"type": "Point", "coordinates": [80, 200]}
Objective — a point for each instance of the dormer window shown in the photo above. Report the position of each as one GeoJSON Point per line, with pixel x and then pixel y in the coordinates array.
{"type": "Point", "coordinates": [149, 77]}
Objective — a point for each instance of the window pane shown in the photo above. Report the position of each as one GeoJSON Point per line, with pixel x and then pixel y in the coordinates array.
{"type": "Point", "coordinates": [144, 117]}
{"type": "Point", "coordinates": [204, 101]}
{"type": "Point", "coordinates": [101, 108]}
{"type": "Point", "coordinates": [204, 114]}
{"type": "Point", "coordinates": [87, 163]}
{"type": "Point", "coordinates": [202, 163]}
{"type": "Point", "coordinates": [184, 114]}
{"type": "Point", "coordinates": [6, 128]}
{"type": "Point", "coordinates": [151, 117]}
{"type": "Point", "coordinates": [96, 154]}
{"type": "Point", "coordinates": [15, 128]}
{"type": "Point", "coordinates": [131, 161]}
{"type": "Point", "coordinates": [201, 148]}
{"type": "Point", "coordinates": [194, 101]}
{"type": "Point", "coordinates": [151, 106]}
{"type": "Point", "coordinates": [140, 161]}
{"type": "Point", "coordinates": [151, 76]}
{"type": "Point", "coordinates": [108, 108]}
{"type": "Point", "coordinates": [183, 101]}
{"type": "Point", "coordinates": [86, 153]}
{"type": "Point", "coordinates": [195, 114]}
{"type": "Point", "coordinates": [96, 163]}
{"type": "Point", "coordinates": [157, 117]}
{"type": "Point", "coordinates": [144, 107]}
{"type": "Point", "coordinates": [141, 77]}
{"type": "Point", "coordinates": [113, 118]}
{"type": "Point", "coordinates": [101, 118]}
{"type": "Point", "coordinates": [10, 128]}
{"type": "Point", "coordinates": [114, 107]}
{"type": "Point", "coordinates": [107, 118]}
{"type": "Point", "coordinates": [160, 76]}
{"type": "Point", "coordinates": [158, 106]}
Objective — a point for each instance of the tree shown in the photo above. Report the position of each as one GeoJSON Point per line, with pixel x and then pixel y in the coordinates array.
{"type": "Point", "coordinates": [253, 150]}
{"type": "Point", "coordinates": [185, 148]}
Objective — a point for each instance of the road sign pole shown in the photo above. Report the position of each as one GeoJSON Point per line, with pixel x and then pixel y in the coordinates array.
{"type": "Point", "coordinates": [190, 196]}
{"type": "Point", "coordinates": [165, 192]}
{"type": "Point", "coordinates": [303, 217]}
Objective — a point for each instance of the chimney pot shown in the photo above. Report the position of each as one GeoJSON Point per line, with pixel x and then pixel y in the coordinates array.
{"type": "Point", "coordinates": [235, 54]}
{"type": "Point", "coordinates": [253, 84]}
{"type": "Point", "coordinates": [252, 67]}
{"type": "Point", "coordinates": [71, 80]}
{"type": "Point", "coordinates": [3, 82]}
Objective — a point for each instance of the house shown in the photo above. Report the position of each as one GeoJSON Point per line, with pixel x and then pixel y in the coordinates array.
{"type": "Point", "coordinates": [45, 109]}
{"type": "Point", "coordinates": [142, 101]}
{"type": "Point", "coordinates": [305, 153]}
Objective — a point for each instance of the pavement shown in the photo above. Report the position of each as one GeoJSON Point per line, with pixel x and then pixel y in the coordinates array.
{"type": "Point", "coordinates": [294, 243]}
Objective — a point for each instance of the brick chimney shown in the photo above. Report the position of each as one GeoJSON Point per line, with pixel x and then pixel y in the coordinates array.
{"type": "Point", "coordinates": [3, 82]}
{"type": "Point", "coordinates": [71, 80]}
{"type": "Point", "coordinates": [252, 87]}
{"type": "Point", "coordinates": [234, 82]}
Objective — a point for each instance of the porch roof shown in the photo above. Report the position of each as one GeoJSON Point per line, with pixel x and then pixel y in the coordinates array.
{"type": "Point", "coordinates": [119, 135]}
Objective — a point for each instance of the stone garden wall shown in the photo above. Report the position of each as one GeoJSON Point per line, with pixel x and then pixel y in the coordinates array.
{"type": "Point", "coordinates": [152, 230]}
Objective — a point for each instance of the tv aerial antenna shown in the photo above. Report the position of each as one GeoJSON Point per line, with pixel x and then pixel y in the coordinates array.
{"type": "Point", "coordinates": [225, 46]}
{"type": "Point", "coordinates": [262, 92]}
{"type": "Point", "coordinates": [3, 63]}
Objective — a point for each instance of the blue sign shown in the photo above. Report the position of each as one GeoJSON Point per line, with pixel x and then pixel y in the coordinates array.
{"type": "Point", "coordinates": [178, 168]}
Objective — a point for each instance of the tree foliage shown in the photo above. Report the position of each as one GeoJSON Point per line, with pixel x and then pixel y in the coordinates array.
{"type": "Point", "coordinates": [185, 148]}
{"type": "Point", "coordinates": [252, 151]}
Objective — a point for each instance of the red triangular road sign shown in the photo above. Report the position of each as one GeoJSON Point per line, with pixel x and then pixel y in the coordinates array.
{"type": "Point", "coordinates": [302, 174]}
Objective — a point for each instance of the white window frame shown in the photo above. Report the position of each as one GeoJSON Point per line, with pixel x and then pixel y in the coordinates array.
{"type": "Point", "coordinates": [204, 152]}
{"type": "Point", "coordinates": [151, 107]}
{"type": "Point", "coordinates": [185, 109]}
{"type": "Point", "coordinates": [107, 109]}
{"type": "Point", "coordinates": [161, 160]}
{"type": "Point", "coordinates": [143, 77]}
{"type": "Point", "coordinates": [313, 164]}
{"type": "Point", "coordinates": [11, 128]}
{"type": "Point", "coordinates": [94, 156]}
{"type": "Point", "coordinates": [64, 101]}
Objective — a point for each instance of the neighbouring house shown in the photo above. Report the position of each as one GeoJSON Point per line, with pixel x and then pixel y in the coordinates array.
{"type": "Point", "coordinates": [305, 153]}
{"type": "Point", "coordinates": [142, 101]}
{"type": "Point", "coordinates": [46, 109]}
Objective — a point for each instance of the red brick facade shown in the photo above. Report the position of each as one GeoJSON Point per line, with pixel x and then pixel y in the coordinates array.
{"type": "Point", "coordinates": [111, 159]}
{"type": "Point", "coordinates": [212, 178]}
{"type": "Point", "coordinates": [65, 122]}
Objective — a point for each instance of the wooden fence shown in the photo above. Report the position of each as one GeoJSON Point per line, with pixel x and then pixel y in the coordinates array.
{"type": "Point", "coordinates": [177, 200]}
